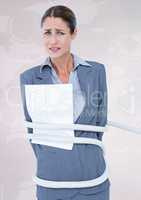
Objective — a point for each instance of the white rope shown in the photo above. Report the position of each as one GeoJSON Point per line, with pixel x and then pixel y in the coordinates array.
{"type": "Point", "coordinates": [72, 184]}
{"type": "Point", "coordinates": [51, 126]}
{"type": "Point", "coordinates": [124, 127]}
{"type": "Point", "coordinates": [83, 127]}
{"type": "Point", "coordinates": [78, 140]}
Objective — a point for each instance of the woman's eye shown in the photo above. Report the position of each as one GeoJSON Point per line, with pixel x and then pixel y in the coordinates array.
{"type": "Point", "coordinates": [60, 33]}
{"type": "Point", "coordinates": [47, 33]}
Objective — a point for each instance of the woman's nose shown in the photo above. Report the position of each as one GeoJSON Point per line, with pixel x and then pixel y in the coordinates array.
{"type": "Point", "coordinates": [53, 39]}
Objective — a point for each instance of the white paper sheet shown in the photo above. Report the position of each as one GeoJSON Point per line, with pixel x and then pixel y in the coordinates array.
{"type": "Point", "coordinates": [51, 103]}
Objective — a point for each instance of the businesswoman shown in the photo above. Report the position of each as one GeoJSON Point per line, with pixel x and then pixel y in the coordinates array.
{"type": "Point", "coordinates": [85, 162]}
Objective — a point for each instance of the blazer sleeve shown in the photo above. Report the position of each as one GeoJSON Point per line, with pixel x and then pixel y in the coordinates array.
{"type": "Point", "coordinates": [27, 117]}
{"type": "Point", "coordinates": [102, 100]}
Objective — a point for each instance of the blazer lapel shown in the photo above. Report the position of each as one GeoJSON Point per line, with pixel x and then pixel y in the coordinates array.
{"type": "Point", "coordinates": [44, 78]}
{"type": "Point", "coordinates": [86, 84]}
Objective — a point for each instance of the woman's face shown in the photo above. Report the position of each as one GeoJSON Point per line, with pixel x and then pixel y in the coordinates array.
{"type": "Point", "coordinates": [56, 36]}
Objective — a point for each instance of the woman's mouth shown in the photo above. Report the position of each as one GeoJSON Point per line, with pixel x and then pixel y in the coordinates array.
{"type": "Point", "coordinates": [54, 49]}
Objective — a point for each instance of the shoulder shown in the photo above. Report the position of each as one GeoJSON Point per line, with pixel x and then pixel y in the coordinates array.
{"type": "Point", "coordinates": [96, 65]}
{"type": "Point", "coordinates": [30, 72]}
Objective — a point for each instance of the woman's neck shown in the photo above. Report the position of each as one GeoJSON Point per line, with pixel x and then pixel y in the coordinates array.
{"type": "Point", "coordinates": [63, 65]}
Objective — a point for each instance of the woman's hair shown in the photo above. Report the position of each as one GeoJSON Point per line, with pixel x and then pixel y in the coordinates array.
{"type": "Point", "coordinates": [64, 13]}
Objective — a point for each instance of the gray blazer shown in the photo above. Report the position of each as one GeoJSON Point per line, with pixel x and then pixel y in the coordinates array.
{"type": "Point", "coordinates": [84, 161]}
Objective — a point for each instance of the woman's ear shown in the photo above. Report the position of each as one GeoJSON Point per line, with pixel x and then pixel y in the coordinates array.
{"type": "Point", "coordinates": [74, 33]}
